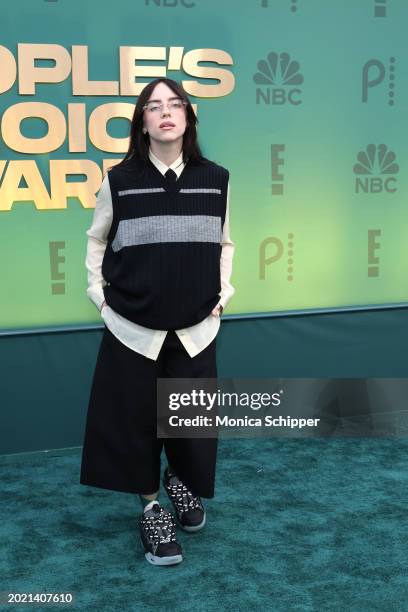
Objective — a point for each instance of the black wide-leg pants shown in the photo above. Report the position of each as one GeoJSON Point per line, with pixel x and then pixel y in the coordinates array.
{"type": "Point", "coordinates": [121, 450]}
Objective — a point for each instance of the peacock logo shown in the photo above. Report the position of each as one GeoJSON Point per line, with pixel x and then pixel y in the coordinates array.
{"type": "Point", "coordinates": [376, 160]}
{"type": "Point", "coordinates": [281, 76]}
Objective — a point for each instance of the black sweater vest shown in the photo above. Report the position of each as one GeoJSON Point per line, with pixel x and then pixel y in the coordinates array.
{"type": "Point", "coordinates": [162, 260]}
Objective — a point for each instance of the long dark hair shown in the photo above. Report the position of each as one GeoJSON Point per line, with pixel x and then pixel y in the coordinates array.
{"type": "Point", "coordinates": [139, 142]}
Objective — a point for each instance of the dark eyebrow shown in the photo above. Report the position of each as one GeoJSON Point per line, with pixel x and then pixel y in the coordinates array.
{"type": "Point", "coordinates": [173, 98]}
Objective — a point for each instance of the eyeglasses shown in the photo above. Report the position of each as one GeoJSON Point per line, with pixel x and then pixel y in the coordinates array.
{"type": "Point", "coordinates": [155, 107]}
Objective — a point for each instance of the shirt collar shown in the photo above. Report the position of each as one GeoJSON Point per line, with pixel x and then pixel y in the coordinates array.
{"type": "Point", "coordinates": [177, 165]}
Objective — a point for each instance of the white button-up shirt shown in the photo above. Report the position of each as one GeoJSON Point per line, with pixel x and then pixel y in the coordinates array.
{"type": "Point", "coordinates": [142, 339]}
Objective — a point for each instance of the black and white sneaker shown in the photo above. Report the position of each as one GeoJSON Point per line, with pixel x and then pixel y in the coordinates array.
{"type": "Point", "coordinates": [158, 536]}
{"type": "Point", "coordinates": [189, 509]}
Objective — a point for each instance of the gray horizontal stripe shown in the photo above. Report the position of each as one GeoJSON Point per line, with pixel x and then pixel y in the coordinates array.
{"type": "Point", "coordinates": [160, 189]}
{"type": "Point", "coordinates": [167, 228]}
{"type": "Point", "coordinates": [200, 190]}
{"type": "Point", "coordinates": [148, 190]}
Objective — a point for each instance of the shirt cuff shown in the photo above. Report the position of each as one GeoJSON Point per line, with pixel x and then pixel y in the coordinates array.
{"type": "Point", "coordinates": [226, 298]}
{"type": "Point", "coordinates": [96, 295]}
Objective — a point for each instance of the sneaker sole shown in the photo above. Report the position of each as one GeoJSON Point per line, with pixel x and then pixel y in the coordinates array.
{"type": "Point", "coordinates": [154, 560]}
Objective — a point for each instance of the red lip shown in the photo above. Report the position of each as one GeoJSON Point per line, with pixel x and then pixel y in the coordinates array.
{"type": "Point", "coordinates": [167, 123]}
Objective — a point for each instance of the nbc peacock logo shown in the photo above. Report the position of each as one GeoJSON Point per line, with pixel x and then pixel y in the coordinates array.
{"type": "Point", "coordinates": [376, 160]}
{"type": "Point", "coordinates": [279, 77]}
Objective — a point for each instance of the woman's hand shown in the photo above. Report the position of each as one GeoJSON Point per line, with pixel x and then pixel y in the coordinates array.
{"type": "Point", "coordinates": [217, 310]}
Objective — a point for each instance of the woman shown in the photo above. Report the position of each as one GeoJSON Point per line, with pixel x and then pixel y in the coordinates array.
{"type": "Point", "coordinates": [159, 261]}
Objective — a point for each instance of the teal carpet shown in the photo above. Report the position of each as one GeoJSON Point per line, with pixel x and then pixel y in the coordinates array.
{"type": "Point", "coordinates": [296, 524]}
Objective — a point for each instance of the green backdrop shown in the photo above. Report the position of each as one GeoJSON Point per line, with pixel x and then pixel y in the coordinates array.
{"type": "Point", "coordinates": [313, 132]}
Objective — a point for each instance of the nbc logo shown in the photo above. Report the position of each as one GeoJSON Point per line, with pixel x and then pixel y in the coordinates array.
{"type": "Point", "coordinates": [376, 160]}
{"type": "Point", "coordinates": [280, 78]}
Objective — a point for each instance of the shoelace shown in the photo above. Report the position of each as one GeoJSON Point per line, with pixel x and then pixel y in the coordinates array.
{"type": "Point", "coordinates": [183, 498]}
{"type": "Point", "coordinates": [159, 528]}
